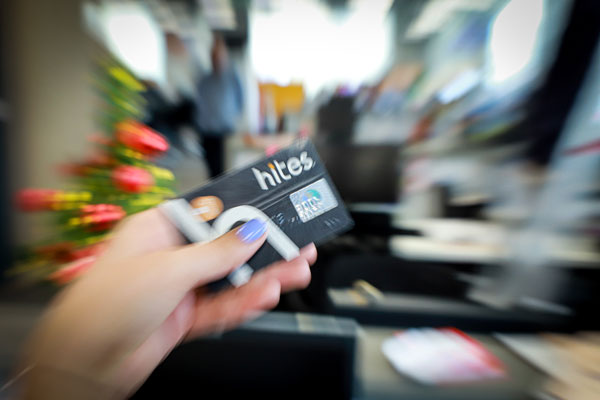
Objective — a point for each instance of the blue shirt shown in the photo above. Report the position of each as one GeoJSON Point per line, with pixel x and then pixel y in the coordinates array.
{"type": "Point", "coordinates": [219, 103]}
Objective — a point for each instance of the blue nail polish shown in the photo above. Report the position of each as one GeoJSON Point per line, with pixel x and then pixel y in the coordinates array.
{"type": "Point", "coordinates": [251, 230]}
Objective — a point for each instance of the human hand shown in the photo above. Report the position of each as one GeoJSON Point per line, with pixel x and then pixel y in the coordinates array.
{"type": "Point", "coordinates": [107, 332]}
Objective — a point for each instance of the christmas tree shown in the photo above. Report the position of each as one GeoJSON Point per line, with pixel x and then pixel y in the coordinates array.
{"type": "Point", "coordinates": [120, 179]}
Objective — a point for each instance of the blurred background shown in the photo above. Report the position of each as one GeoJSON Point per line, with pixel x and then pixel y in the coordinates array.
{"type": "Point", "coordinates": [462, 135]}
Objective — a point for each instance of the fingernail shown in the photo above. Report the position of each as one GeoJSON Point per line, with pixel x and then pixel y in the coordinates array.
{"type": "Point", "coordinates": [251, 230]}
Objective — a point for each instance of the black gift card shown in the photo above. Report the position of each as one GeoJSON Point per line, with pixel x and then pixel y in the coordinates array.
{"type": "Point", "coordinates": [291, 191]}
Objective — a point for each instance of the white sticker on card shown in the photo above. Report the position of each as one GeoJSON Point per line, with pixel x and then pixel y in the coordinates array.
{"type": "Point", "coordinates": [313, 200]}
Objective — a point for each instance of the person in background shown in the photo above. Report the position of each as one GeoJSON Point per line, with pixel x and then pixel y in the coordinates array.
{"type": "Point", "coordinates": [219, 104]}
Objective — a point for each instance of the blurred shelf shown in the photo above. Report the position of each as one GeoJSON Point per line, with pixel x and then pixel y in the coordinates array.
{"type": "Point", "coordinates": [459, 146]}
{"type": "Point", "coordinates": [425, 249]}
{"type": "Point", "coordinates": [448, 240]}
{"type": "Point", "coordinates": [392, 209]}
{"type": "Point", "coordinates": [470, 199]}
{"type": "Point", "coordinates": [407, 310]}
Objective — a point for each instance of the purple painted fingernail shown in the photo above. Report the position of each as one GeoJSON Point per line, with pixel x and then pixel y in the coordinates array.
{"type": "Point", "coordinates": [251, 230]}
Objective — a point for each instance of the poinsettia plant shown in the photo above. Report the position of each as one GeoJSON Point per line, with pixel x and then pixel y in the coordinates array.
{"type": "Point", "coordinates": [120, 178]}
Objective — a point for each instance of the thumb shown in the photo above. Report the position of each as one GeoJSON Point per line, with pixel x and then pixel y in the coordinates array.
{"type": "Point", "coordinates": [202, 263]}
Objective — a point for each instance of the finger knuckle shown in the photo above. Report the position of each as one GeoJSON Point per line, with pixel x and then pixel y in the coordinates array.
{"type": "Point", "coordinates": [304, 276]}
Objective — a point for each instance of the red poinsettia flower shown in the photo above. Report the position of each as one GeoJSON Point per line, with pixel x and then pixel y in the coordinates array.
{"type": "Point", "coordinates": [36, 199]}
{"type": "Point", "coordinates": [91, 250]}
{"type": "Point", "coordinates": [101, 216]}
{"type": "Point", "coordinates": [139, 137]}
{"type": "Point", "coordinates": [132, 179]}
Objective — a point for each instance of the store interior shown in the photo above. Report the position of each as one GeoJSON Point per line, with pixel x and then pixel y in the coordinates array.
{"type": "Point", "coordinates": [461, 136]}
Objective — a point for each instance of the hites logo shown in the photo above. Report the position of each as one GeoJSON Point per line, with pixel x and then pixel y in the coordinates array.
{"type": "Point", "coordinates": [277, 170]}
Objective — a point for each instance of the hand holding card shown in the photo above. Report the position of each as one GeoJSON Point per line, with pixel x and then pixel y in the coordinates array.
{"type": "Point", "coordinates": [290, 192]}
{"type": "Point", "coordinates": [106, 332]}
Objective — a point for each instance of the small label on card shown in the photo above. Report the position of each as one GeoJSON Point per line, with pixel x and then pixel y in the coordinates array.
{"type": "Point", "coordinates": [313, 200]}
